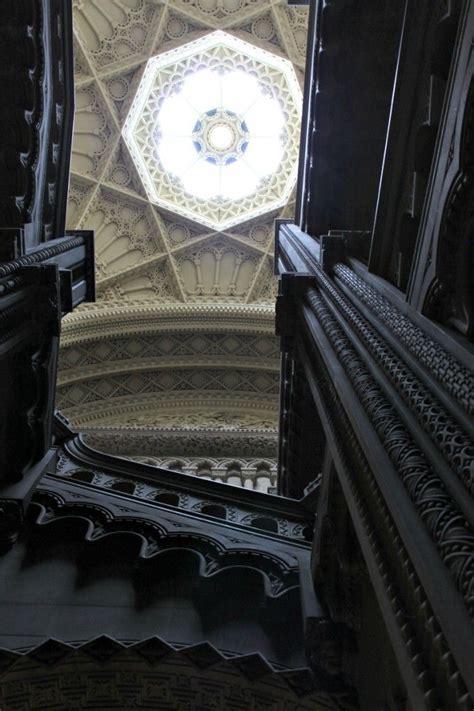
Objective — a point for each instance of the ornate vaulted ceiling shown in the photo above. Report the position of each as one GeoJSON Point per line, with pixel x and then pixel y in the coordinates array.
{"type": "Point", "coordinates": [178, 353]}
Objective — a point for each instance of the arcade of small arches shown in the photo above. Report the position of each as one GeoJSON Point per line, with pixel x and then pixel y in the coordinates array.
{"type": "Point", "coordinates": [259, 475]}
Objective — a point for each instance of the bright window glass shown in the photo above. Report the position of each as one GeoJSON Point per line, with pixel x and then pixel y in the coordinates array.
{"type": "Point", "coordinates": [238, 141]}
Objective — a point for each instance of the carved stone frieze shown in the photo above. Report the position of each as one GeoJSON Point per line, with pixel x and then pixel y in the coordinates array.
{"type": "Point", "coordinates": [203, 400]}
{"type": "Point", "coordinates": [383, 547]}
{"type": "Point", "coordinates": [181, 379]}
{"type": "Point", "coordinates": [115, 318]}
{"type": "Point", "coordinates": [215, 421]}
{"type": "Point", "coordinates": [182, 500]}
{"type": "Point", "coordinates": [443, 519]}
{"type": "Point", "coordinates": [452, 374]}
{"type": "Point", "coordinates": [168, 346]}
{"type": "Point", "coordinates": [125, 441]}
{"type": "Point", "coordinates": [204, 404]}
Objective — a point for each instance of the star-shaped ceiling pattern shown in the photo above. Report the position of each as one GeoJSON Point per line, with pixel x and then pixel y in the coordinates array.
{"type": "Point", "coordinates": [158, 270]}
{"type": "Point", "coordinates": [214, 130]}
{"type": "Point", "coordinates": [142, 251]}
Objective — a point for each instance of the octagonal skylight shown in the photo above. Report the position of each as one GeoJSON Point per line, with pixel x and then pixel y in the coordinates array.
{"type": "Point", "coordinates": [214, 130]}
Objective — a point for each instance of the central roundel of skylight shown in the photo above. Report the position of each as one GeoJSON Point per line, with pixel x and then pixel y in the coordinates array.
{"type": "Point", "coordinates": [225, 151]}
{"type": "Point", "coordinates": [214, 130]}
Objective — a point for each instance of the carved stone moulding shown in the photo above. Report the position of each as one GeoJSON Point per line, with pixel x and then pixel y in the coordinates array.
{"type": "Point", "coordinates": [197, 415]}
{"type": "Point", "coordinates": [413, 624]}
{"type": "Point", "coordinates": [198, 441]}
{"type": "Point", "coordinates": [445, 433]}
{"type": "Point", "coordinates": [231, 397]}
{"type": "Point", "coordinates": [431, 508]}
{"type": "Point", "coordinates": [148, 351]}
{"type": "Point", "coordinates": [188, 444]}
{"type": "Point", "coordinates": [110, 319]}
{"type": "Point", "coordinates": [451, 373]}
{"type": "Point", "coordinates": [454, 540]}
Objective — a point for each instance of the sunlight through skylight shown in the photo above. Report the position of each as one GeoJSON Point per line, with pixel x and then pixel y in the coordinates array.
{"type": "Point", "coordinates": [220, 135]}
{"type": "Point", "coordinates": [214, 130]}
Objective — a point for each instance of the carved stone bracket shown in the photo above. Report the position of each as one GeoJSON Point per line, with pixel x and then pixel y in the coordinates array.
{"type": "Point", "coordinates": [35, 137]}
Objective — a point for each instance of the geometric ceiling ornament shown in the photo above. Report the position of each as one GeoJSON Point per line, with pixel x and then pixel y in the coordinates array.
{"type": "Point", "coordinates": [214, 130]}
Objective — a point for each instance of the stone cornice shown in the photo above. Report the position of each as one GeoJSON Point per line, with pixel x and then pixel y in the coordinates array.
{"type": "Point", "coordinates": [85, 415]}
{"type": "Point", "coordinates": [106, 320]}
{"type": "Point", "coordinates": [84, 372]}
{"type": "Point", "coordinates": [183, 443]}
